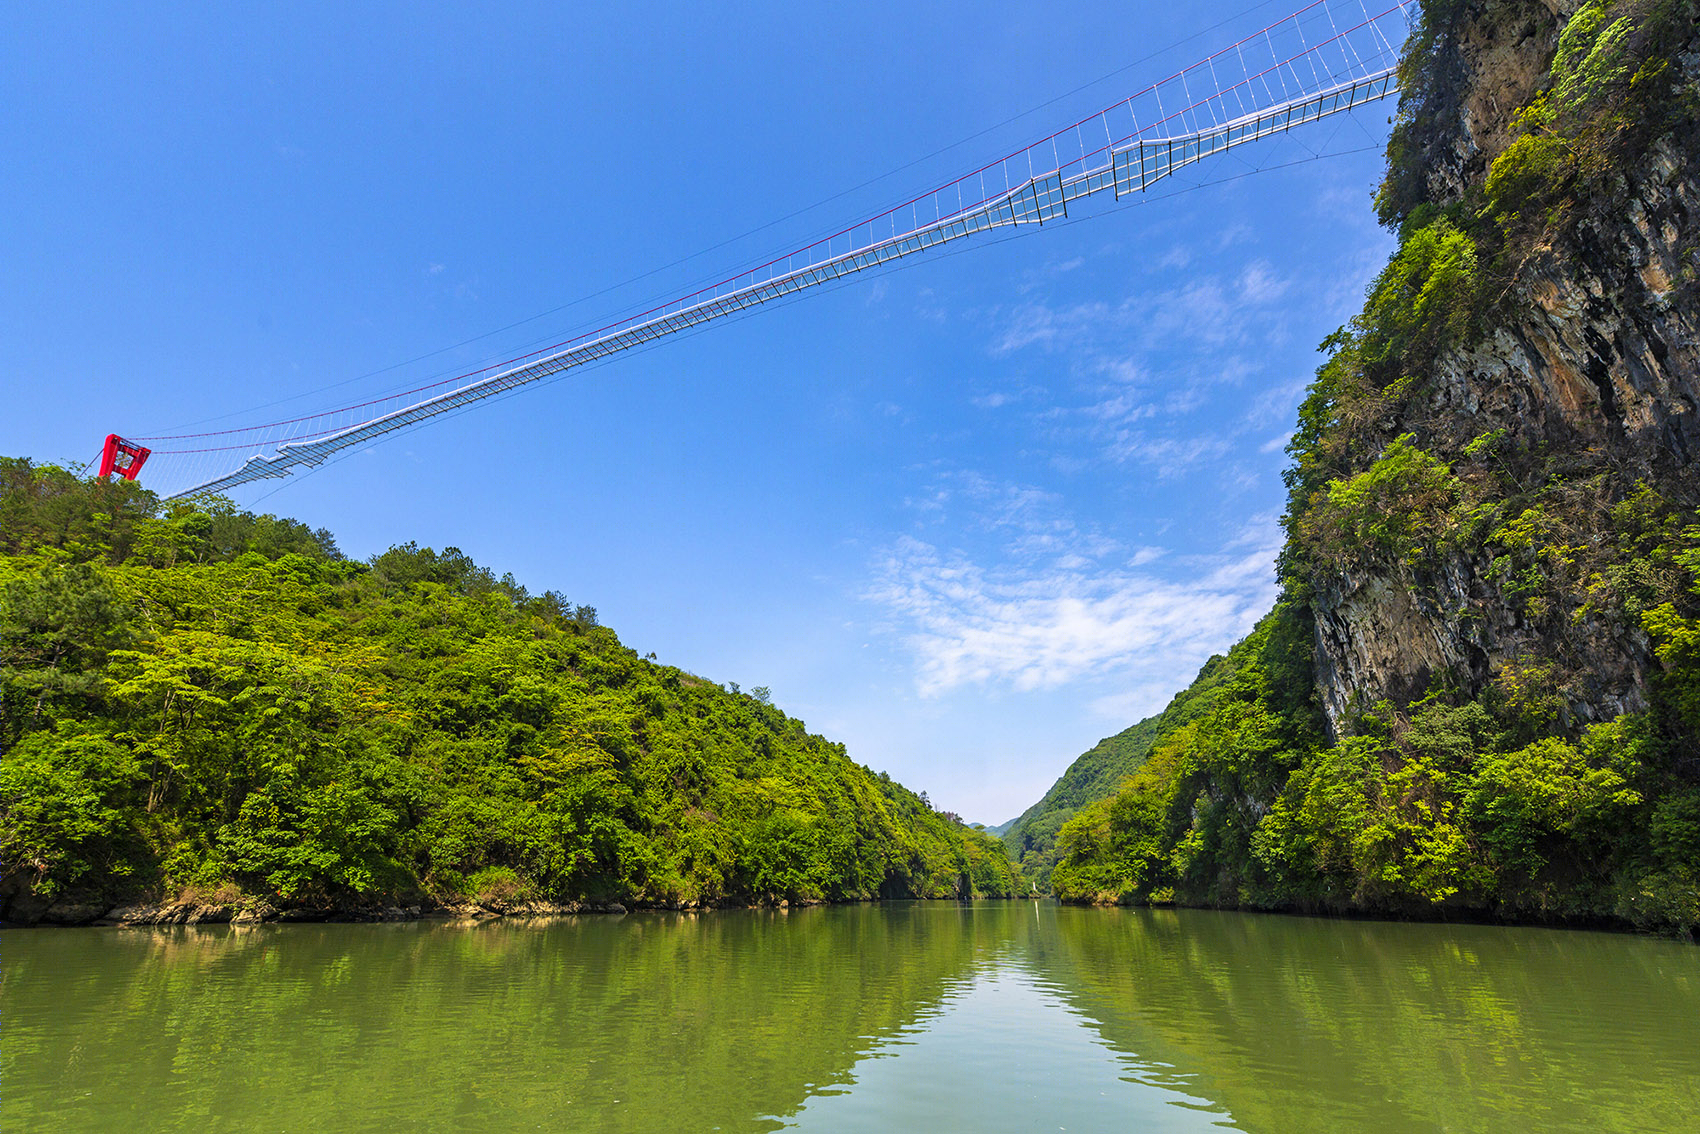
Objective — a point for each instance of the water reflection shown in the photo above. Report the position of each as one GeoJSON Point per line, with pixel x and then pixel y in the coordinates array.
{"type": "Point", "coordinates": [982, 1016]}
{"type": "Point", "coordinates": [1320, 1025]}
{"type": "Point", "coordinates": [638, 1023]}
{"type": "Point", "coordinates": [1004, 1052]}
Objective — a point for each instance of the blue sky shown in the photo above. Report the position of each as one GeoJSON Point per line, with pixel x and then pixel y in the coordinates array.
{"type": "Point", "coordinates": [968, 516]}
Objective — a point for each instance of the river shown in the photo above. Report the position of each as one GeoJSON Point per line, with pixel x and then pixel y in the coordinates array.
{"type": "Point", "coordinates": [899, 1016]}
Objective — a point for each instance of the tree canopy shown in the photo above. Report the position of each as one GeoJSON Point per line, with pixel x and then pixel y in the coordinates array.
{"type": "Point", "coordinates": [198, 699]}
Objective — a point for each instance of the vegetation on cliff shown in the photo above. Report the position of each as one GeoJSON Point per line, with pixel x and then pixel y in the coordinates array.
{"type": "Point", "coordinates": [195, 698]}
{"type": "Point", "coordinates": [1509, 785]}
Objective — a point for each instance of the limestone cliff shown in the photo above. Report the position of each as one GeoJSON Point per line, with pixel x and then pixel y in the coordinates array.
{"type": "Point", "coordinates": [1584, 368]}
{"type": "Point", "coordinates": [1481, 689]}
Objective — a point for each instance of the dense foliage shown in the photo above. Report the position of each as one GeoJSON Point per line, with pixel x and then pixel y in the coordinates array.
{"type": "Point", "coordinates": [1031, 837]}
{"type": "Point", "coordinates": [198, 699]}
{"type": "Point", "coordinates": [1452, 803]}
{"type": "Point", "coordinates": [1100, 772]}
{"type": "Point", "coordinates": [1488, 793]}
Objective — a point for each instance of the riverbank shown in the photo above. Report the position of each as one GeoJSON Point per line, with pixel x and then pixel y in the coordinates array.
{"type": "Point", "coordinates": [1446, 915]}
{"type": "Point", "coordinates": [141, 914]}
{"type": "Point", "coordinates": [252, 911]}
{"type": "Point", "coordinates": [406, 726]}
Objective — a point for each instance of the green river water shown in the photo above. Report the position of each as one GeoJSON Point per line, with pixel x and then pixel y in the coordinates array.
{"type": "Point", "coordinates": [901, 1016]}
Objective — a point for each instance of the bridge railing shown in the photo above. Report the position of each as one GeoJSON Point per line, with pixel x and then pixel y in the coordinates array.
{"type": "Point", "coordinates": [1325, 59]}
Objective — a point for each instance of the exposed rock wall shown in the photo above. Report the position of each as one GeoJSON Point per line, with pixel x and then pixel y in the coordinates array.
{"type": "Point", "coordinates": [1595, 354]}
{"type": "Point", "coordinates": [1485, 66]}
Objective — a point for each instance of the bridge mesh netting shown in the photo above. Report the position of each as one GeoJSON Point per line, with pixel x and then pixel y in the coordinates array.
{"type": "Point", "coordinates": [1321, 60]}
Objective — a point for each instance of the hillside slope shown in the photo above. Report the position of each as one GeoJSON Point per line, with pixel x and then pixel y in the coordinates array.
{"type": "Point", "coordinates": [1492, 539]}
{"type": "Point", "coordinates": [207, 705]}
{"type": "Point", "coordinates": [1031, 837]}
{"type": "Point", "coordinates": [1099, 772]}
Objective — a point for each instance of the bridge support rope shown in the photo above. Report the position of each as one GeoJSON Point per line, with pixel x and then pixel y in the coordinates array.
{"type": "Point", "coordinates": [1117, 169]}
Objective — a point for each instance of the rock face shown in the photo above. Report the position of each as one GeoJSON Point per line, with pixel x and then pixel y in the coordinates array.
{"type": "Point", "coordinates": [1597, 355]}
{"type": "Point", "coordinates": [1487, 65]}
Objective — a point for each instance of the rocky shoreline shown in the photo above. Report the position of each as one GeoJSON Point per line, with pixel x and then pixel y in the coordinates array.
{"type": "Point", "coordinates": [139, 914]}
{"type": "Point", "coordinates": [74, 913]}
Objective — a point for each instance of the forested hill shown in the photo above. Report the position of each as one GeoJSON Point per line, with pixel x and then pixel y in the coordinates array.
{"type": "Point", "coordinates": [1099, 772]}
{"type": "Point", "coordinates": [1031, 837]}
{"type": "Point", "coordinates": [1480, 690]}
{"type": "Point", "coordinates": [202, 705]}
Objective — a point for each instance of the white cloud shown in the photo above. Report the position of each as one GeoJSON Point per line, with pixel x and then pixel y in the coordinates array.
{"type": "Point", "coordinates": [1179, 256]}
{"type": "Point", "coordinates": [1344, 296]}
{"type": "Point", "coordinates": [1171, 379]}
{"type": "Point", "coordinates": [1033, 323]}
{"type": "Point", "coordinates": [1234, 234]}
{"type": "Point", "coordinates": [1199, 314]}
{"type": "Point", "coordinates": [1039, 324]}
{"type": "Point", "coordinates": [1037, 277]}
{"type": "Point", "coordinates": [1121, 370]}
{"type": "Point", "coordinates": [1170, 455]}
{"type": "Point", "coordinates": [1048, 623]}
{"type": "Point", "coordinates": [1146, 698]}
{"type": "Point", "coordinates": [1260, 284]}
{"type": "Point", "coordinates": [928, 307]}
{"type": "Point", "coordinates": [1124, 407]}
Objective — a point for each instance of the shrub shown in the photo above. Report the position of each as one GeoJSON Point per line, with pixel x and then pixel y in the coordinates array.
{"type": "Point", "coordinates": [1393, 511]}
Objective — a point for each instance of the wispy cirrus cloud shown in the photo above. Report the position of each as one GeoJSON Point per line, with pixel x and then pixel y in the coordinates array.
{"type": "Point", "coordinates": [1048, 620]}
{"type": "Point", "coordinates": [1022, 520]}
{"type": "Point", "coordinates": [1043, 325]}
{"type": "Point", "coordinates": [1259, 284]}
{"type": "Point", "coordinates": [1171, 380]}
